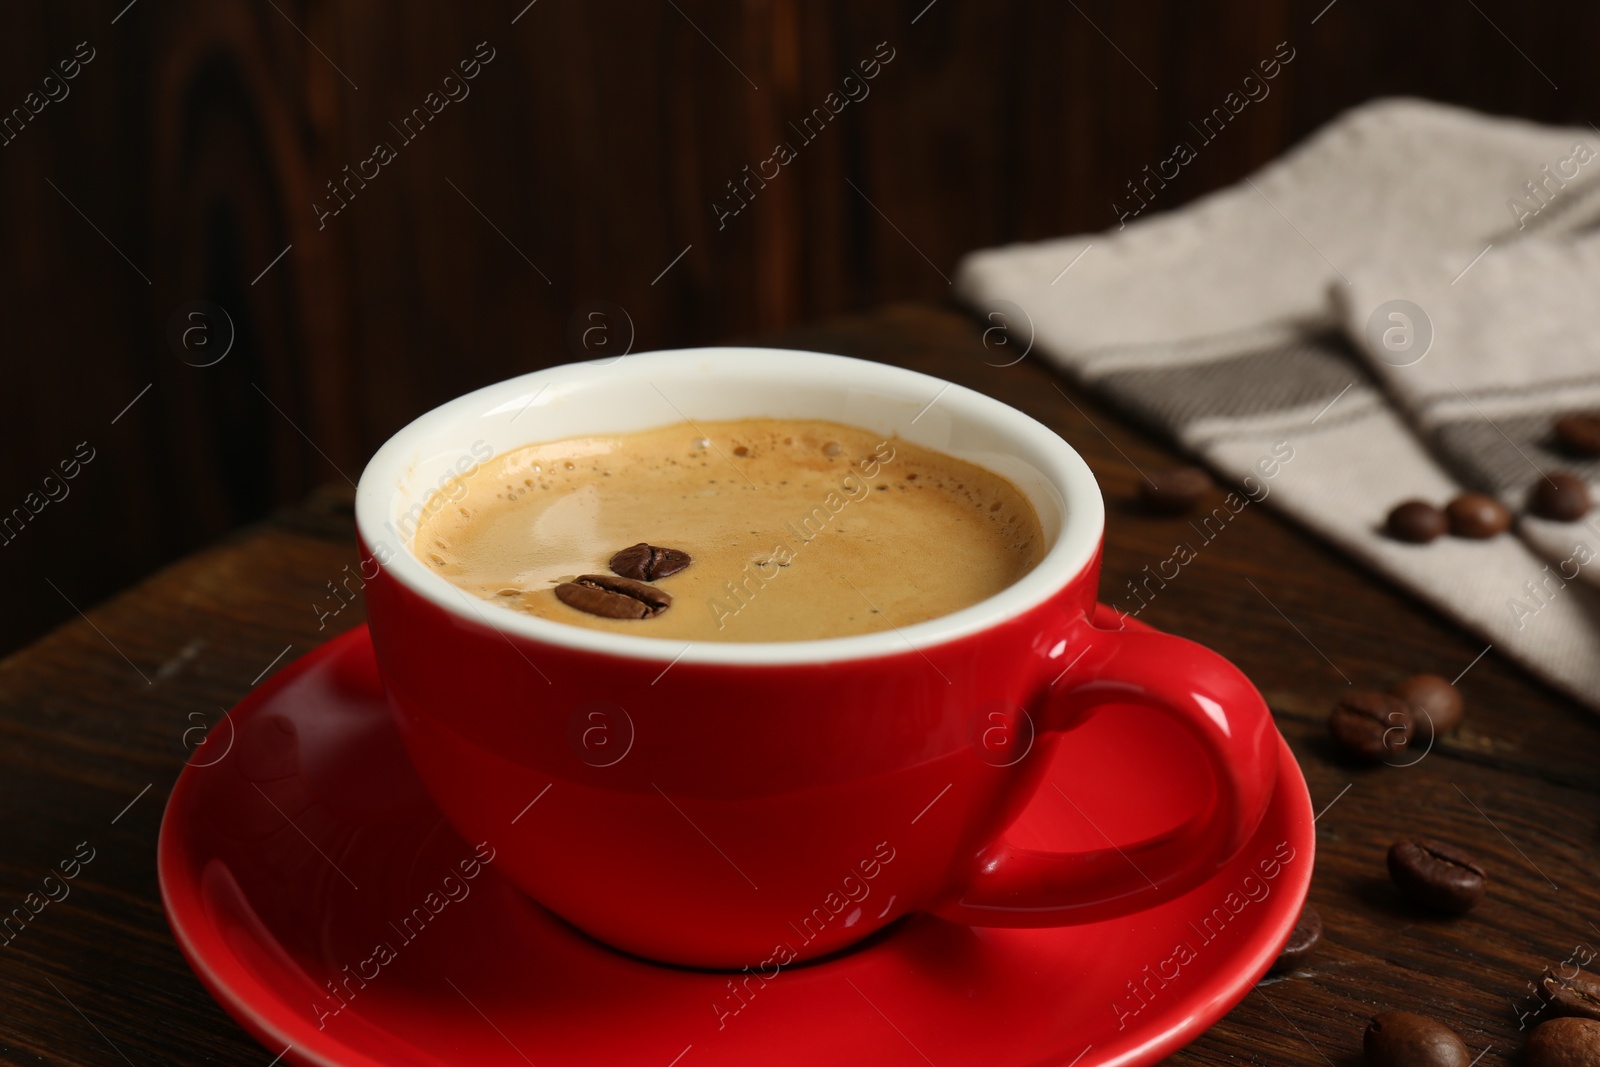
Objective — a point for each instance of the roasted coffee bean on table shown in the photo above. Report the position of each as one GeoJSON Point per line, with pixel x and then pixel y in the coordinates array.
{"type": "Point", "coordinates": [1172, 492]}
{"type": "Point", "coordinates": [1416, 522]}
{"type": "Point", "coordinates": [1436, 874]}
{"type": "Point", "coordinates": [1559, 495]}
{"type": "Point", "coordinates": [1565, 1042]}
{"type": "Point", "coordinates": [1436, 705]}
{"type": "Point", "coordinates": [1372, 725]}
{"type": "Point", "coordinates": [613, 597]}
{"type": "Point", "coordinates": [1578, 995]}
{"type": "Point", "coordinates": [1405, 1039]}
{"type": "Point", "coordinates": [645, 562]}
{"type": "Point", "coordinates": [1302, 943]}
{"type": "Point", "coordinates": [1579, 433]}
{"type": "Point", "coordinates": [1477, 516]}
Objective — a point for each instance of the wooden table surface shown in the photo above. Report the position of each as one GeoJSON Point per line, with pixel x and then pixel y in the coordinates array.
{"type": "Point", "coordinates": [93, 722]}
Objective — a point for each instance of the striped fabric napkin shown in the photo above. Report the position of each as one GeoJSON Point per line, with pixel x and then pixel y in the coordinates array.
{"type": "Point", "coordinates": [1242, 325]}
{"type": "Point", "coordinates": [1514, 342]}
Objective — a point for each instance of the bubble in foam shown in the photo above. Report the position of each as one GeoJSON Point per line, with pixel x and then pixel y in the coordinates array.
{"type": "Point", "coordinates": [832, 448]}
{"type": "Point", "coordinates": [701, 442]}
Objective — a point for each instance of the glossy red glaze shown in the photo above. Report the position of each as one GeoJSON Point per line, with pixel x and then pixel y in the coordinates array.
{"type": "Point", "coordinates": [323, 898]}
{"type": "Point", "coordinates": [728, 815]}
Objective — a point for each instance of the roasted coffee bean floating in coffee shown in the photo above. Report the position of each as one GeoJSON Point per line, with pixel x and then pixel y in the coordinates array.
{"type": "Point", "coordinates": [612, 597]}
{"type": "Point", "coordinates": [1477, 516]}
{"type": "Point", "coordinates": [1372, 726]}
{"type": "Point", "coordinates": [1561, 496]}
{"type": "Point", "coordinates": [645, 563]}
{"type": "Point", "coordinates": [1405, 1039]}
{"type": "Point", "coordinates": [1437, 875]}
{"type": "Point", "coordinates": [1173, 492]}
{"type": "Point", "coordinates": [1416, 522]}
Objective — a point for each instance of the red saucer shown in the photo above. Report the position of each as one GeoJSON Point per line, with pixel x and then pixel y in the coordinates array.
{"type": "Point", "coordinates": [306, 855]}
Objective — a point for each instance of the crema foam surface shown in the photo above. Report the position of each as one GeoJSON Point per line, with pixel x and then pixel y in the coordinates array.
{"type": "Point", "coordinates": [798, 529]}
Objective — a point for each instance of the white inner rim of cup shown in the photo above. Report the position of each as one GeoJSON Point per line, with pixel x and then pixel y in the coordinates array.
{"type": "Point", "coordinates": [402, 483]}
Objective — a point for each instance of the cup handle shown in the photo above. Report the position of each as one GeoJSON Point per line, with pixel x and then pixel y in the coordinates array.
{"type": "Point", "coordinates": [1200, 692]}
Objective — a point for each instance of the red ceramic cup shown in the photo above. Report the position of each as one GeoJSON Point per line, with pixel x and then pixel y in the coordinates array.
{"type": "Point", "coordinates": [748, 805]}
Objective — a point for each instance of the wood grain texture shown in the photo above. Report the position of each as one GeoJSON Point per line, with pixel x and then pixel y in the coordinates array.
{"type": "Point", "coordinates": [84, 731]}
{"type": "Point", "coordinates": [588, 157]}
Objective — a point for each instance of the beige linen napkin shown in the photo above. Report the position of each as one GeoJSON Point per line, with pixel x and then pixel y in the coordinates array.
{"type": "Point", "coordinates": [1512, 344]}
{"type": "Point", "coordinates": [1217, 323]}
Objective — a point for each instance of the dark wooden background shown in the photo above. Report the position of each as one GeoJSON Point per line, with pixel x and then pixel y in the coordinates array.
{"type": "Point", "coordinates": [584, 161]}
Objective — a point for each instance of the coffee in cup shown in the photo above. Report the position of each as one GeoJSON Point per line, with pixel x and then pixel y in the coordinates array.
{"type": "Point", "coordinates": [775, 529]}
{"type": "Point", "coordinates": [749, 803]}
